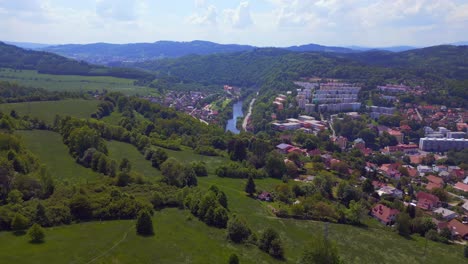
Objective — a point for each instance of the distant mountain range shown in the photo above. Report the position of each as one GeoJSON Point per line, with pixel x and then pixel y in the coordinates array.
{"type": "Point", "coordinates": [108, 54]}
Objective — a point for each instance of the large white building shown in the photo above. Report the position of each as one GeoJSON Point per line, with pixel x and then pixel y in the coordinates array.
{"type": "Point", "coordinates": [442, 144]}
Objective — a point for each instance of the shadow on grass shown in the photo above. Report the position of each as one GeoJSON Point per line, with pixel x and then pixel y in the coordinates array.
{"type": "Point", "coordinates": [36, 242]}
{"type": "Point", "coordinates": [146, 235]}
{"type": "Point", "coordinates": [19, 233]}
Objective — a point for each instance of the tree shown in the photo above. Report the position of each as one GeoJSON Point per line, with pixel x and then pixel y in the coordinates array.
{"type": "Point", "coordinates": [320, 251]}
{"type": "Point", "coordinates": [465, 251]}
{"type": "Point", "coordinates": [233, 259]}
{"type": "Point", "coordinates": [250, 186]}
{"type": "Point", "coordinates": [6, 176]}
{"type": "Point", "coordinates": [237, 230]}
{"type": "Point", "coordinates": [403, 224]}
{"type": "Point", "coordinates": [275, 165]}
{"type": "Point", "coordinates": [19, 222]}
{"type": "Point", "coordinates": [159, 156]}
{"type": "Point", "coordinates": [125, 165]}
{"type": "Point", "coordinates": [41, 217]}
{"type": "Point", "coordinates": [80, 207]}
{"type": "Point", "coordinates": [270, 242]}
{"type": "Point", "coordinates": [199, 168]}
{"type": "Point", "coordinates": [36, 233]}
{"type": "Point", "coordinates": [411, 210]}
{"type": "Point", "coordinates": [123, 179]}
{"type": "Point", "coordinates": [83, 138]}
{"type": "Point", "coordinates": [15, 197]}
{"type": "Point", "coordinates": [144, 225]}
{"type": "Point", "coordinates": [441, 193]}
{"type": "Point", "coordinates": [356, 212]}
{"type": "Point", "coordinates": [367, 186]}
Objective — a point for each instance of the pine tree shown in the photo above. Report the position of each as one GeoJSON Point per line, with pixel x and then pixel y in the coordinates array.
{"type": "Point", "coordinates": [144, 225]}
{"type": "Point", "coordinates": [250, 186]}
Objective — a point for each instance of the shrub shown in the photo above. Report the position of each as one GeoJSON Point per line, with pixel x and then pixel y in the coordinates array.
{"type": "Point", "coordinates": [36, 233]}
{"type": "Point", "coordinates": [144, 225]}
{"type": "Point", "coordinates": [238, 231]}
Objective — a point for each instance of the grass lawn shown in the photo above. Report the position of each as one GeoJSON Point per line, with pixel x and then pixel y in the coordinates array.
{"type": "Point", "coordinates": [74, 83]}
{"type": "Point", "coordinates": [119, 150]}
{"type": "Point", "coordinates": [46, 110]}
{"type": "Point", "coordinates": [179, 238]}
{"type": "Point", "coordinates": [51, 151]}
{"type": "Point", "coordinates": [374, 244]}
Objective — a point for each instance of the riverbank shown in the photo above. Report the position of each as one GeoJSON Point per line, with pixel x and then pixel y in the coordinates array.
{"type": "Point", "coordinates": [247, 117]}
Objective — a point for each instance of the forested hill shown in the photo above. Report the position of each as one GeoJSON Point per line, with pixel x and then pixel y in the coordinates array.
{"type": "Point", "coordinates": [105, 53]}
{"type": "Point", "coordinates": [254, 67]}
{"type": "Point", "coordinates": [449, 61]}
{"type": "Point", "coordinates": [45, 62]}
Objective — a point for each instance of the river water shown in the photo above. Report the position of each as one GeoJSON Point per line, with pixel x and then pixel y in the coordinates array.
{"type": "Point", "coordinates": [236, 112]}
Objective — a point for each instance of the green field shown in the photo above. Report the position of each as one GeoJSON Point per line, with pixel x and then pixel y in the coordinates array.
{"type": "Point", "coordinates": [73, 82]}
{"type": "Point", "coordinates": [51, 151]}
{"type": "Point", "coordinates": [183, 239]}
{"type": "Point", "coordinates": [46, 110]}
{"type": "Point", "coordinates": [119, 150]}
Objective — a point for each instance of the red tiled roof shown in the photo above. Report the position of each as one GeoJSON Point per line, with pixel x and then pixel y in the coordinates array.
{"type": "Point", "coordinates": [433, 185]}
{"type": "Point", "coordinates": [435, 179]}
{"type": "Point", "coordinates": [458, 228]}
{"type": "Point", "coordinates": [427, 196]}
{"type": "Point", "coordinates": [384, 213]}
{"type": "Point", "coordinates": [461, 186]}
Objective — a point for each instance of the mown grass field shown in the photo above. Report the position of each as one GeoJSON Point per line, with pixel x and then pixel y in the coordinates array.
{"type": "Point", "coordinates": [73, 83]}
{"type": "Point", "coordinates": [46, 110]}
{"type": "Point", "coordinates": [51, 151]}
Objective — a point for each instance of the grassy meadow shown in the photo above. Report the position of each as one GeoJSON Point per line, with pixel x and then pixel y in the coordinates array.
{"type": "Point", "coordinates": [73, 83]}
{"type": "Point", "coordinates": [46, 110]}
{"type": "Point", "coordinates": [51, 151]}
{"type": "Point", "coordinates": [182, 238]}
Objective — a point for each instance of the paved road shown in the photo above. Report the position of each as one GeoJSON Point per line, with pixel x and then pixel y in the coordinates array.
{"type": "Point", "coordinates": [246, 119]}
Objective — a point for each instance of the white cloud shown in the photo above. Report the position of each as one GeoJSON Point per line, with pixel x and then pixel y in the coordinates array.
{"type": "Point", "coordinates": [207, 17]}
{"type": "Point", "coordinates": [239, 17]}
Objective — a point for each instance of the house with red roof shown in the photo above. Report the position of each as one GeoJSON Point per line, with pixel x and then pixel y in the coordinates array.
{"type": "Point", "coordinates": [427, 201]}
{"type": "Point", "coordinates": [461, 186]}
{"type": "Point", "coordinates": [458, 229]}
{"type": "Point", "coordinates": [384, 214]}
{"type": "Point", "coordinates": [434, 182]}
{"type": "Point", "coordinates": [390, 170]}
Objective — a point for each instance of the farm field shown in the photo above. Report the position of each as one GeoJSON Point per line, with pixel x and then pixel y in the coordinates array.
{"type": "Point", "coordinates": [46, 110]}
{"type": "Point", "coordinates": [51, 151]}
{"type": "Point", "coordinates": [74, 83]}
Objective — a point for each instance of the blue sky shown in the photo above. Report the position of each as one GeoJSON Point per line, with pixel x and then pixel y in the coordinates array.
{"type": "Point", "coordinates": [255, 22]}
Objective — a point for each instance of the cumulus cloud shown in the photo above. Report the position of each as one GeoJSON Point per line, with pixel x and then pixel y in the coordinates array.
{"type": "Point", "coordinates": [239, 17]}
{"type": "Point", "coordinates": [207, 17]}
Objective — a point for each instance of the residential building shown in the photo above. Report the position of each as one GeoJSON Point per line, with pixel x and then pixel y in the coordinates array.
{"type": "Point", "coordinates": [445, 213]}
{"type": "Point", "coordinates": [442, 144]}
{"type": "Point", "coordinates": [427, 201]}
{"type": "Point", "coordinates": [384, 214]}
{"type": "Point", "coordinates": [461, 186]}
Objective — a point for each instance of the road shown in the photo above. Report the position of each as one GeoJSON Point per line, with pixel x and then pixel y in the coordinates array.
{"type": "Point", "coordinates": [249, 113]}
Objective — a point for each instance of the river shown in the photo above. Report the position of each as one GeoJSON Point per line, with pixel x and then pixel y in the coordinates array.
{"type": "Point", "coordinates": [236, 112]}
